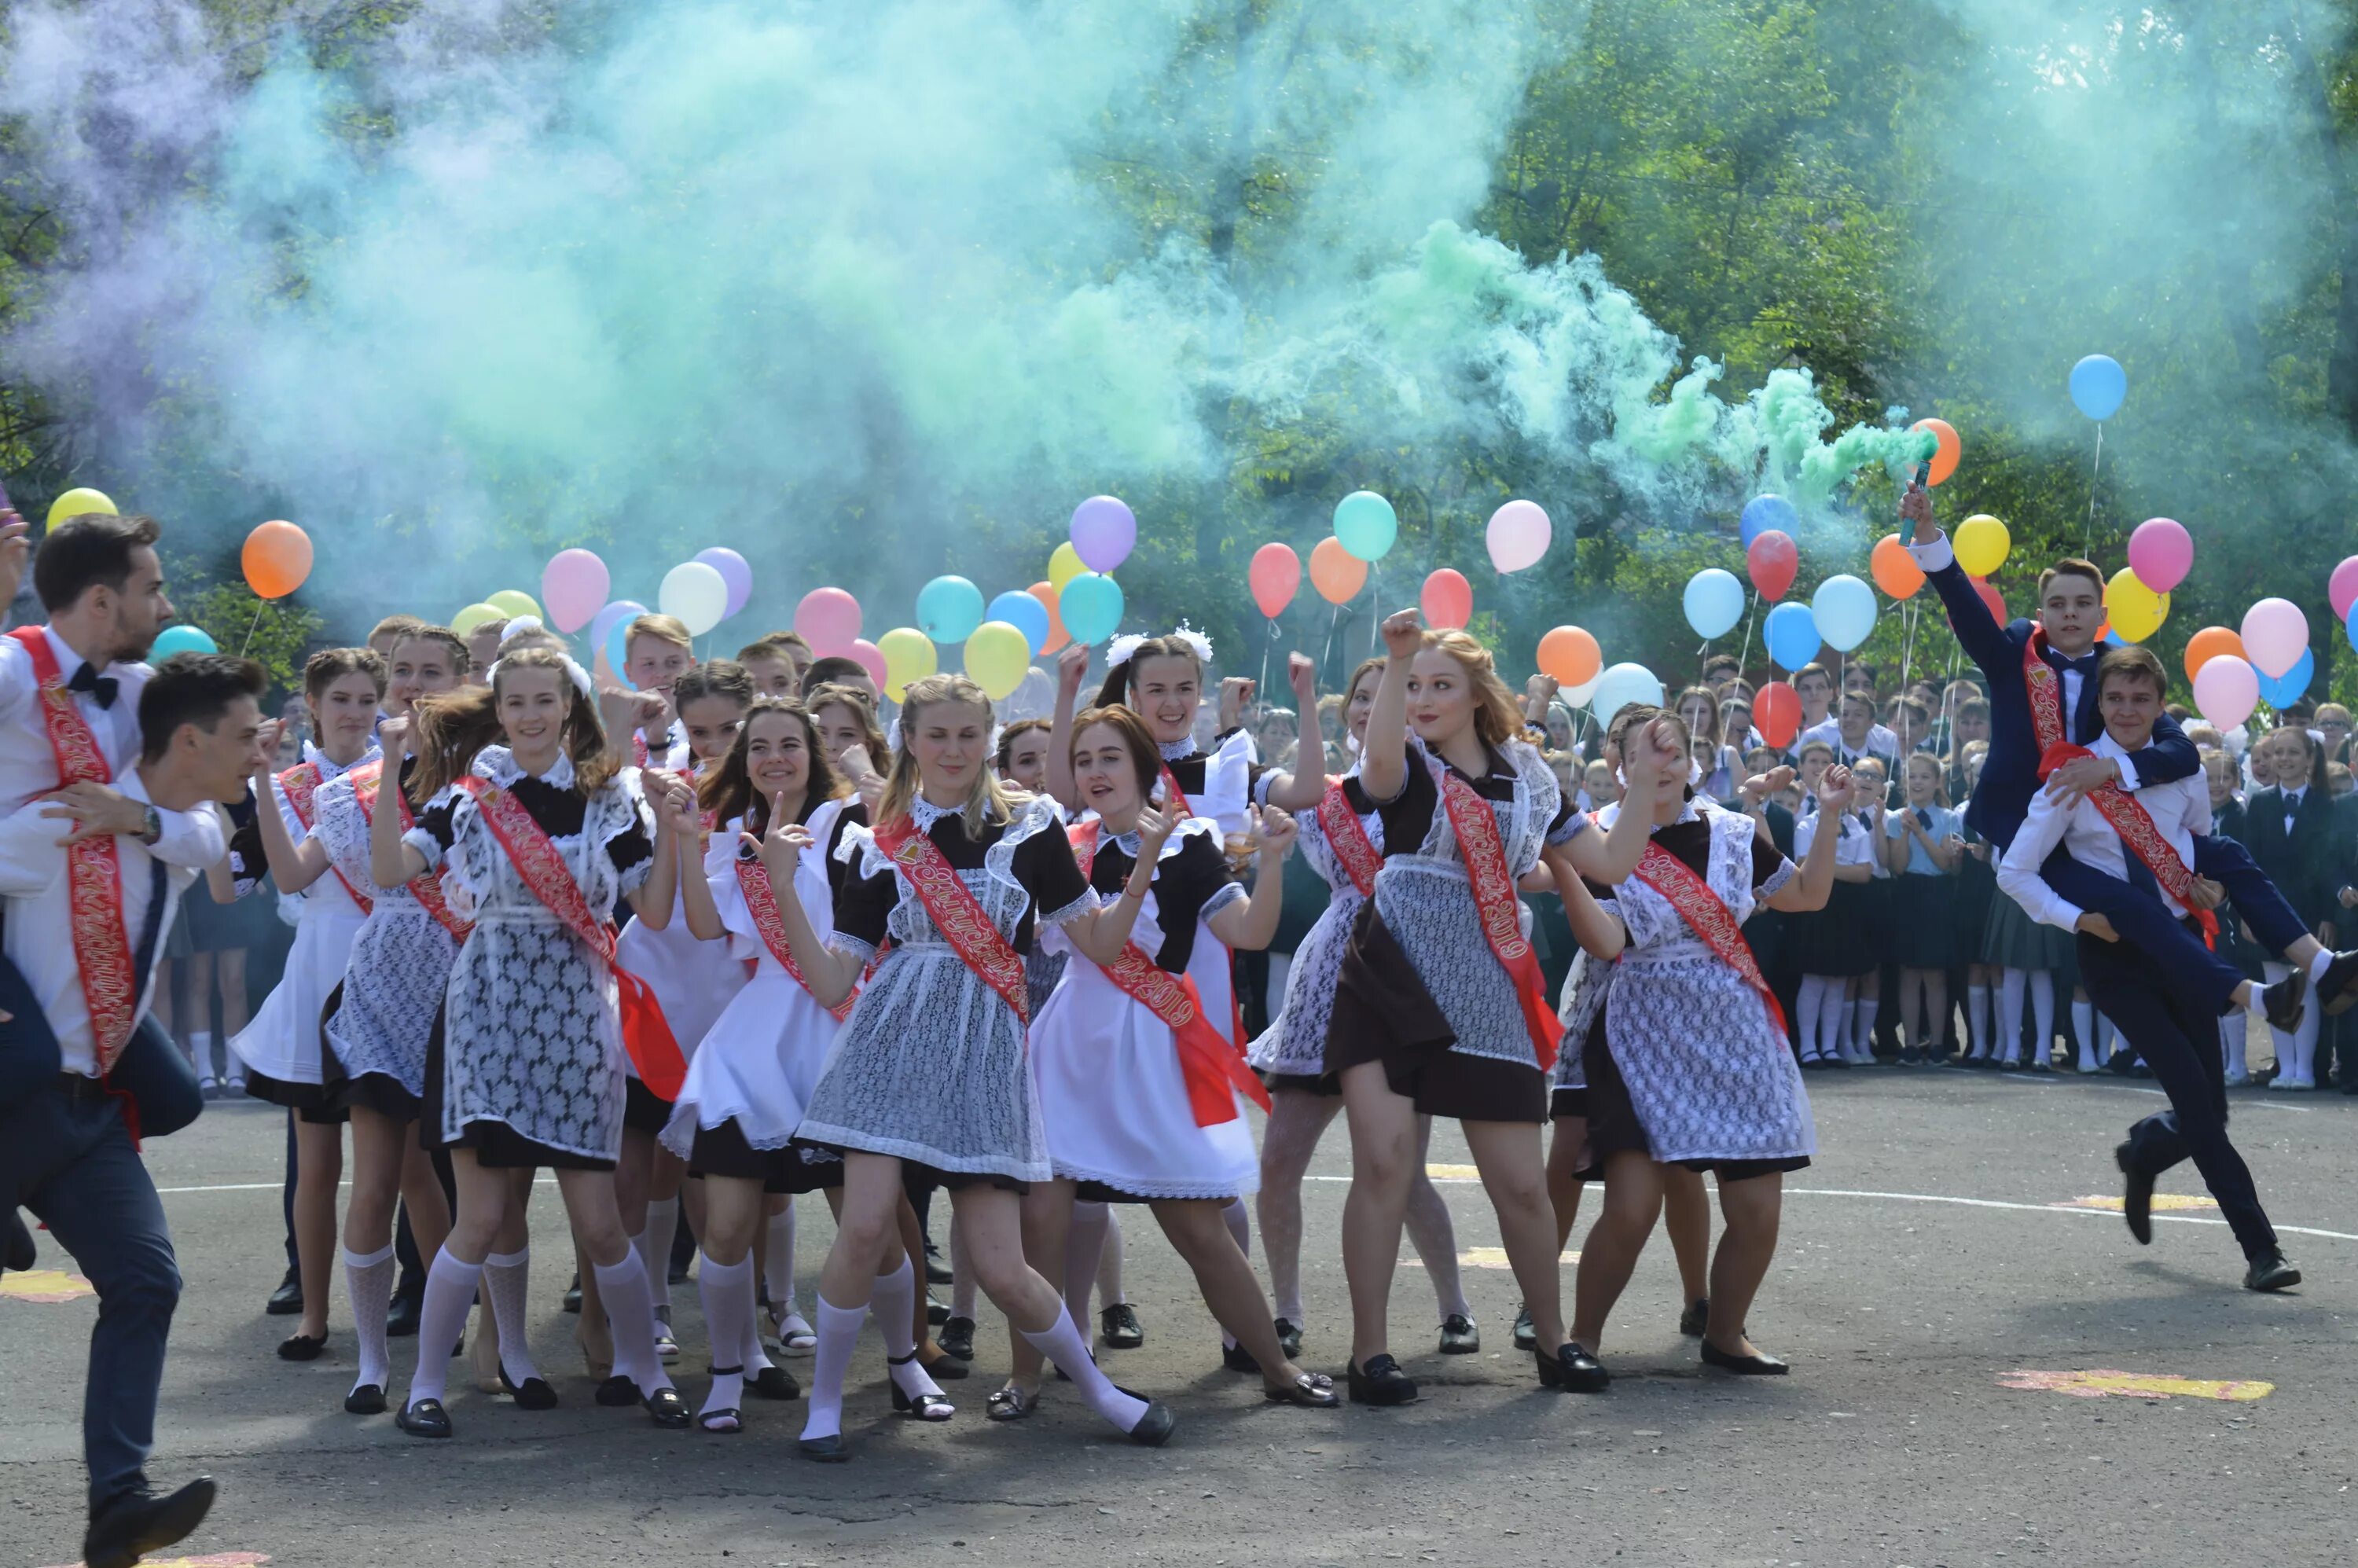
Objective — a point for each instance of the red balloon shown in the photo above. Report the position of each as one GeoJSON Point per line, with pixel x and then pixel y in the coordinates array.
{"type": "Point", "coordinates": [1991, 597]}
{"type": "Point", "coordinates": [1777, 713]}
{"type": "Point", "coordinates": [1772, 560]}
{"type": "Point", "coordinates": [1275, 577]}
{"type": "Point", "coordinates": [1447, 600]}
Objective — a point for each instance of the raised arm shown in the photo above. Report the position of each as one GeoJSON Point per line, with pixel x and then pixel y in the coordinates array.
{"type": "Point", "coordinates": [1299, 789]}
{"type": "Point", "coordinates": [1383, 758]}
{"type": "Point", "coordinates": [391, 861]}
{"type": "Point", "coordinates": [652, 903]}
{"type": "Point", "coordinates": [1072, 665]}
{"type": "Point", "coordinates": [1815, 883]}
{"type": "Point", "coordinates": [1977, 630]}
{"type": "Point", "coordinates": [1247, 925]}
{"type": "Point", "coordinates": [293, 865]}
{"type": "Point", "coordinates": [1652, 760]}
{"type": "Point", "coordinates": [1101, 933]}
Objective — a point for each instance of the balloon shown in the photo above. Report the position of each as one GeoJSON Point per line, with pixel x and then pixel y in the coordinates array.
{"type": "Point", "coordinates": [2226, 691]}
{"type": "Point", "coordinates": [615, 655]}
{"type": "Point", "coordinates": [277, 559]}
{"type": "Point", "coordinates": [1777, 713]}
{"type": "Point", "coordinates": [1018, 608]}
{"type": "Point", "coordinates": [1790, 635]}
{"type": "Point", "coordinates": [2098, 386]}
{"type": "Point", "coordinates": [2343, 588]}
{"type": "Point", "coordinates": [1981, 544]}
{"type": "Point", "coordinates": [77, 503]}
{"type": "Point", "coordinates": [1335, 572]}
{"type": "Point", "coordinates": [695, 594]}
{"type": "Point", "coordinates": [1991, 597]}
{"type": "Point", "coordinates": [1092, 607]}
{"type": "Point", "coordinates": [1946, 453]}
{"type": "Point", "coordinates": [1274, 577]}
{"type": "Point", "coordinates": [1714, 601]}
{"type": "Point", "coordinates": [2208, 644]}
{"type": "Point", "coordinates": [180, 639]}
{"type": "Point", "coordinates": [2161, 552]}
{"type": "Point", "coordinates": [1844, 609]}
{"type": "Point", "coordinates": [1517, 536]}
{"type": "Point", "coordinates": [998, 657]}
{"type": "Point", "coordinates": [1447, 600]}
{"type": "Point", "coordinates": [1767, 513]}
{"type": "Point", "coordinates": [1045, 592]}
{"type": "Point", "coordinates": [2132, 607]}
{"type": "Point", "coordinates": [1569, 656]}
{"type": "Point", "coordinates": [1619, 687]}
{"type": "Point", "coordinates": [2350, 624]}
{"type": "Point", "coordinates": [1772, 560]}
{"type": "Point", "coordinates": [1366, 524]}
{"type": "Point", "coordinates": [1065, 564]}
{"type": "Point", "coordinates": [1104, 533]}
{"type": "Point", "coordinates": [908, 657]}
{"type": "Point", "coordinates": [733, 570]}
{"type": "Point", "coordinates": [513, 603]}
{"type": "Point", "coordinates": [474, 615]}
{"type": "Point", "coordinates": [621, 613]}
{"type": "Point", "coordinates": [1894, 570]}
{"type": "Point", "coordinates": [573, 585]}
{"type": "Point", "coordinates": [2282, 691]}
{"type": "Point", "coordinates": [2274, 633]}
{"type": "Point", "coordinates": [950, 608]}
{"type": "Point", "coordinates": [871, 659]}
{"type": "Point", "coordinates": [829, 620]}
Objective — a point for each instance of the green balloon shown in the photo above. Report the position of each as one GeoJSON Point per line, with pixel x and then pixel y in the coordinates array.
{"type": "Point", "coordinates": [1366, 526]}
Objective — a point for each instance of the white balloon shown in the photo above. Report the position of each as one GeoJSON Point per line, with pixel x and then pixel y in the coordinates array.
{"type": "Point", "coordinates": [1621, 685]}
{"type": "Point", "coordinates": [697, 594]}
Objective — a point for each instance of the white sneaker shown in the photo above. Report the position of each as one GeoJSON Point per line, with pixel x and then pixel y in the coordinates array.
{"type": "Point", "coordinates": [2294, 1084]}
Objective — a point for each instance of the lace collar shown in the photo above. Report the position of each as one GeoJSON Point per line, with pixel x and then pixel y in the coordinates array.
{"type": "Point", "coordinates": [1177, 750]}
{"type": "Point", "coordinates": [330, 770]}
{"type": "Point", "coordinates": [925, 813]}
{"type": "Point", "coordinates": [498, 764]}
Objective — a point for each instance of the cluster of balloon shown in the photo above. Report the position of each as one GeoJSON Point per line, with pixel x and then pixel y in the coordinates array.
{"type": "Point", "coordinates": [275, 558]}
{"type": "Point", "coordinates": [2276, 641]}
{"type": "Point", "coordinates": [2208, 644]}
{"type": "Point", "coordinates": [1790, 635]}
{"type": "Point", "coordinates": [1517, 536]}
{"type": "Point", "coordinates": [1772, 560]}
{"type": "Point", "coordinates": [1018, 608]}
{"type": "Point", "coordinates": [1947, 449]}
{"type": "Point", "coordinates": [1274, 577]}
{"type": "Point", "coordinates": [1895, 572]}
{"type": "Point", "coordinates": [574, 586]}
{"type": "Point", "coordinates": [1714, 602]}
{"type": "Point", "coordinates": [1447, 598]}
{"type": "Point", "coordinates": [606, 637]}
{"type": "Point", "coordinates": [2342, 591]}
{"type": "Point", "coordinates": [1777, 713]}
{"type": "Point", "coordinates": [1844, 611]}
{"type": "Point", "coordinates": [2132, 607]}
{"type": "Point", "coordinates": [734, 571]}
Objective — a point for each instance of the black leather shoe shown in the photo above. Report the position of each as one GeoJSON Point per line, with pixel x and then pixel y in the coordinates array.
{"type": "Point", "coordinates": [1155, 1427]}
{"type": "Point", "coordinates": [936, 1313]}
{"type": "Point", "coordinates": [533, 1394]}
{"type": "Point", "coordinates": [573, 1295]}
{"type": "Point", "coordinates": [1526, 1337]}
{"type": "Point", "coordinates": [368, 1399]}
{"type": "Point", "coordinates": [2271, 1272]}
{"type": "Point", "coordinates": [138, 1522]}
{"type": "Point", "coordinates": [1312, 1390]}
{"type": "Point", "coordinates": [2337, 994]}
{"type": "Point", "coordinates": [401, 1317]}
{"type": "Point", "coordinates": [287, 1300]}
{"type": "Point", "coordinates": [665, 1407]}
{"type": "Point", "coordinates": [957, 1337]}
{"type": "Point", "coordinates": [937, 1273]}
{"type": "Point", "coordinates": [2137, 1195]}
{"type": "Point", "coordinates": [1236, 1358]}
{"type": "Point", "coordinates": [1572, 1368]}
{"type": "Point", "coordinates": [18, 1251]}
{"type": "Point", "coordinates": [774, 1382]}
{"type": "Point", "coordinates": [1756, 1365]}
{"type": "Point", "coordinates": [1289, 1337]}
{"type": "Point", "coordinates": [1380, 1382]}
{"type": "Point", "coordinates": [1696, 1318]}
{"type": "Point", "coordinates": [422, 1418]}
{"type": "Point", "coordinates": [302, 1347]}
{"type": "Point", "coordinates": [617, 1391]}
{"type": "Point", "coordinates": [1459, 1336]}
{"type": "Point", "coordinates": [1119, 1327]}
{"type": "Point", "coordinates": [827, 1450]}
{"type": "Point", "coordinates": [2285, 1001]}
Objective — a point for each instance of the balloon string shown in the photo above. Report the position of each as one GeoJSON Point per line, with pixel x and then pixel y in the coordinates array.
{"type": "Point", "coordinates": [1746, 657]}
{"type": "Point", "coordinates": [1907, 650]}
{"type": "Point", "coordinates": [2088, 536]}
{"type": "Point", "coordinates": [258, 604]}
{"type": "Point", "coordinates": [1260, 691]}
{"type": "Point", "coordinates": [1375, 608]}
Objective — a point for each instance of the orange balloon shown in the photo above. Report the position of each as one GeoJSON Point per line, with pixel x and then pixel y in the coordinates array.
{"type": "Point", "coordinates": [1045, 592]}
{"type": "Point", "coordinates": [1571, 656]}
{"type": "Point", "coordinates": [1335, 572]}
{"type": "Point", "coordinates": [2208, 644]}
{"type": "Point", "coordinates": [277, 559]}
{"type": "Point", "coordinates": [1895, 570]}
{"type": "Point", "coordinates": [1945, 455]}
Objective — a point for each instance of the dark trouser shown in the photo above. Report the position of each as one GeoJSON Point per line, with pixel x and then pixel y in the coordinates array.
{"type": "Point", "coordinates": [286, 1201]}
{"type": "Point", "coordinates": [2181, 1043]}
{"type": "Point", "coordinates": [69, 1160]}
{"type": "Point", "coordinates": [2194, 972]}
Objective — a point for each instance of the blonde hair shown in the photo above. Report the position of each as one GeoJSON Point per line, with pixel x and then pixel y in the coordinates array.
{"type": "Point", "coordinates": [663, 628]}
{"type": "Point", "coordinates": [986, 801]}
{"type": "Point", "coordinates": [584, 735]}
{"type": "Point", "coordinates": [1497, 718]}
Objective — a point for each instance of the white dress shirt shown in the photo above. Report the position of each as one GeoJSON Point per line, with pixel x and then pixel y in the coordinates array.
{"type": "Point", "coordinates": [1880, 742]}
{"type": "Point", "coordinates": [1858, 847]}
{"type": "Point", "coordinates": [39, 919]}
{"type": "Point", "coordinates": [2180, 810]}
{"type": "Point", "coordinates": [29, 767]}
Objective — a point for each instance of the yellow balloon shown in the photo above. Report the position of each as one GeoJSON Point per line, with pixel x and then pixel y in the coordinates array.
{"type": "Point", "coordinates": [2135, 611]}
{"type": "Point", "coordinates": [909, 656]}
{"type": "Point", "coordinates": [1064, 565]}
{"type": "Point", "coordinates": [998, 656]}
{"type": "Point", "coordinates": [513, 603]}
{"type": "Point", "coordinates": [75, 503]}
{"type": "Point", "coordinates": [1981, 544]}
{"type": "Point", "coordinates": [474, 615]}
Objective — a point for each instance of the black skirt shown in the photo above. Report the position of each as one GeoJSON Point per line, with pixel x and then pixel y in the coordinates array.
{"type": "Point", "coordinates": [1568, 1104]}
{"type": "Point", "coordinates": [1383, 1013]}
{"type": "Point", "coordinates": [1921, 920]}
{"type": "Point", "coordinates": [797, 1168]}
{"type": "Point", "coordinates": [495, 1145]}
{"type": "Point", "coordinates": [643, 1109]}
{"type": "Point", "coordinates": [919, 1180]}
{"type": "Point", "coordinates": [1614, 1127]}
{"type": "Point", "coordinates": [1326, 1086]}
{"type": "Point", "coordinates": [378, 1092]}
{"type": "Point", "coordinates": [309, 1102]}
{"type": "Point", "coordinates": [1841, 938]}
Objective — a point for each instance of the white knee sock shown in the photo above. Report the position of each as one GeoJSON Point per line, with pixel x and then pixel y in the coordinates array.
{"type": "Point", "coordinates": [2109, 1043]}
{"type": "Point", "coordinates": [631, 1313]}
{"type": "Point", "coordinates": [2084, 1025]}
{"type": "Point", "coordinates": [655, 1246]}
{"type": "Point", "coordinates": [961, 1273]}
{"type": "Point", "coordinates": [1809, 1004]}
{"type": "Point", "coordinates": [1085, 1240]}
{"type": "Point", "coordinates": [728, 1293]}
{"type": "Point", "coordinates": [893, 1300]}
{"type": "Point", "coordinates": [1829, 1021]}
{"type": "Point", "coordinates": [200, 1047]}
{"type": "Point", "coordinates": [1062, 1343]}
{"type": "Point", "coordinates": [1977, 1010]}
{"type": "Point", "coordinates": [369, 1282]}
{"type": "Point", "coordinates": [839, 1331]}
{"type": "Point", "coordinates": [1863, 1030]}
{"type": "Point", "coordinates": [2231, 1043]}
{"type": "Point", "coordinates": [2317, 968]}
{"type": "Point", "coordinates": [2042, 1013]}
{"type": "Point", "coordinates": [778, 1259]}
{"type": "Point", "coordinates": [506, 1276]}
{"type": "Point", "coordinates": [2012, 983]}
{"type": "Point", "coordinates": [441, 1318]}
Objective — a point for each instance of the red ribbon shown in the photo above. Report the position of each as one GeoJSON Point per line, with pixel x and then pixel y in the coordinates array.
{"type": "Point", "coordinates": [1493, 883]}
{"type": "Point", "coordinates": [1357, 853]}
{"type": "Point", "coordinates": [2134, 824]}
{"type": "Point", "coordinates": [762, 903]}
{"type": "Point", "coordinates": [955, 912]}
{"type": "Point", "coordinates": [301, 784]}
{"type": "Point", "coordinates": [426, 887]}
{"type": "Point", "coordinates": [1708, 916]}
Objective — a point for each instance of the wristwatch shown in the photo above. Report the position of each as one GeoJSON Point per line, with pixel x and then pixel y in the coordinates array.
{"type": "Point", "coordinates": [151, 826]}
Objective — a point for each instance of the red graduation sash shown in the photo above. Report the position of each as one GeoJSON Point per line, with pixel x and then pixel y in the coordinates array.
{"type": "Point", "coordinates": [957, 914]}
{"type": "Point", "coordinates": [1172, 795]}
{"type": "Point", "coordinates": [1708, 918]}
{"type": "Point", "coordinates": [1215, 1073]}
{"type": "Point", "coordinates": [2044, 690]}
{"type": "Point", "coordinates": [646, 1032]}
{"type": "Point", "coordinates": [1493, 884]}
{"type": "Point", "coordinates": [301, 783]}
{"type": "Point", "coordinates": [426, 887]}
{"type": "Point", "coordinates": [762, 903]}
{"type": "Point", "coordinates": [110, 982]}
{"type": "Point", "coordinates": [1347, 836]}
{"type": "Point", "coordinates": [2134, 824]}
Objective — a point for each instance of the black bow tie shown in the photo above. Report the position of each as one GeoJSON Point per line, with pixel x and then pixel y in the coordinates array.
{"type": "Point", "coordinates": [2085, 664]}
{"type": "Point", "coordinates": [102, 687]}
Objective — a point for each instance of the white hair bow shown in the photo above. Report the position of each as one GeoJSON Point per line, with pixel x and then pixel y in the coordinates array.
{"type": "Point", "coordinates": [1122, 649]}
{"type": "Point", "coordinates": [520, 625]}
{"type": "Point", "coordinates": [573, 670]}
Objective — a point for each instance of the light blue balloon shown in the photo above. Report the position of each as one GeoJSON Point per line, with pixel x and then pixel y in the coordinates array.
{"type": "Point", "coordinates": [1023, 612]}
{"type": "Point", "coordinates": [1620, 685]}
{"type": "Point", "coordinates": [1790, 634]}
{"type": "Point", "coordinates": [2099, 385]}
{"type": "Point", "coordinates": [1843, 608]}
{"type": "Point", "coordinates": [950, 609]}
{"type": "Point", "coordinates": [1091, 606]}
{"type": "Point", "coordinates": [1714, 601]}
{"type": "Point", "coordinates": [2285, 689]}
{"type": "Point", "coordinates": [1365, 524]}
{"type": "Point", "coordinates": [1763, 513]}
{"type": "Point", "coordinates": [2114, 638]}
{"type": "Point", "coordinates": [602, 625]}
{"type": "Point", "coordinates": [2351, 624]}
{"type": "Point", "coordinates": [618, 649]}
{"type": "Point", "coordinates": [182, 639]}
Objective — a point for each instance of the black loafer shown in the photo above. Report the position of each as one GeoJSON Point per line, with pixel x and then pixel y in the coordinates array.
{"type": "Point", "coordinates": [17, 1250]}
{"type": "Point", "coordinates": [422, 1418]}
{"type": "Point", "coordinates": [401, 1317]}
{"type": "Point", "coordinates": [1236, 1358]}
{"type": "Point", "coordinates": [936, 1313]}
{"type": "Point", "coordinates": [1289, 1337]}
{"type": "Point", "coordinates": [827, 1450]}
{"type": "Point", "coordinates": [1119, 1327]}
{"type": "Point", "coordinates": [2286, 998]}
{"type": "Point", "coordinates": [665, 1407]}
{"type": "Point", "coordinates": [368, 1399]}
{"type": "Point", "coordinates": [957, 1337]}
{"type": "Point", "coordinates": [287, 1300]}
{"type": "Point", "coordinates": [1526, 1337]}
{"type": "Point", "coordinates": [1155, 1427]}
{"type": "Point", "coordinates": [2272, 1272]}
{"type": "Point", "coordinates": [573, 1295]}
{"type": "Point", "coordinates": [2337, 994]}
{"type": "Point", "coordinates": [945, 1368]}
{"type": "Point", "coordinates": [533, 1394]}
{"type": "Point", "coordinates": [302, 1347]}
{"type": "Point", "coordinates": [1696, 1318]}
{"type": "Point", "coordinates": [1379, 1382]}
{"type": "Point", "coordinates": [1753, 1366]}
{"type": "Point", "coordinates": [2136, 1196]}
{"type": "Point", "coordinates": [1312, 1390]}
{"type": "Point", "coordinates": [774, 1382]}
{"type": "Point", "coordinates": [1459, 1336]}
{"type": "Point", "coordinates": [1009, 1403]}
{"type": "Point", "coordinates": [138, 1522]}
{"type": "Point", "coordinates": [617, 1391]}
{"type": "Point", "coordinates": [937, 1273]}
{"type": "Point", "coordinates": [1572, 1368]}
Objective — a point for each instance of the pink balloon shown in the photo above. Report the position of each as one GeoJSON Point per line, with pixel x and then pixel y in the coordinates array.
{"type": "Point", "coordinates": [2161, 552]}
{"type": "Point", "coordinates": [2344, 587]}
{"type": "Point", "coordinates": [1517, 536]}
{"type": "Point", "coordinates": [870, 657]}
{"type": "Point", "coordinates": [573, 588]}
{"type": "Point", "coordinates": [2226, 689]}
{"type": "Point", "coordinates": [2274, 633]}
{"type": "Point", "coordinates": [1447, 600]}
{"type": "Point", "coordinates": [1274, 577]}
{"type": "Point", "coordinates": [829, 618]}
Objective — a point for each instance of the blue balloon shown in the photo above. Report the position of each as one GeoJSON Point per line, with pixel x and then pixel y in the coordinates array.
{"type": "Point", "coordinates": [950, 609]}
{"type": "Point", "coordinates": [1763, 513]}
{"type": "Point", "coordinates": [181, 638]}
{"type": "Point", "coordinates": [1714, 601]}
{"type": "Point", "coordinates": [2098, 387]}
{"type": "Point", "coordinates": [618, 649]}
{"type": "Point", "coordinates": [2114, 638]}
{"type": "Point", "coordinates": [1023, 612]}
{"type": "Point", "coordinates": [1365, 524]}
{"type": "Point", "coordinates": [1844, 609]}
{"type": "Point", "coordinates": [2351, 624]}
{"type": "Point", "coordinates": [602, 625]}
{"type": "Point", "coordinates": [2282, 691]}
{"type": "Point", "coordinates": [1620, 685]}
{"type": "Point", "coordinates": [1091, 607]}
{"type": "Point", "coordinates": [1790, 634]}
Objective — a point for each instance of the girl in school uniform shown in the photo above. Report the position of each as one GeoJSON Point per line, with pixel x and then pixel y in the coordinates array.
{"type": "Point", "coordinates": [1831, 946]}
{"type": "Point", "coordinates": [1921, 847]}
{"type": "Point", "coordinates": [1976, 888]}
{"type": "Point", "coordinates": [2228, 820]}
{"type": "Point", "coordinates": [2294, 837]}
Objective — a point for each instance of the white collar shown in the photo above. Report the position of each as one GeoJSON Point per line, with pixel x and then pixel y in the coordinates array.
{"type": "Point", "coordinates": [498, 764]}
{"type": "Point", "coordinates": [70, 661]}
{"type": "Point", "coordinates": [925, 813]}
{"type": "Point", "coordinates": [330, 770]}
{"type": "Point", "coordinates": [1177, 750]}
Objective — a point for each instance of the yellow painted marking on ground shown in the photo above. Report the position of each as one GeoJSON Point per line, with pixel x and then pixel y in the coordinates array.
{"type": "Point", "coordinates": [2093, 1385]}
{"type": "Point", "coordinates": [2163, 1203]}
{"type": "Point", "coordinates": [45, 1285]}
{"type": "Point", "coordinates": [1452, 1172]}
{"type": "Point", "coordinates": [1495, 1258]}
